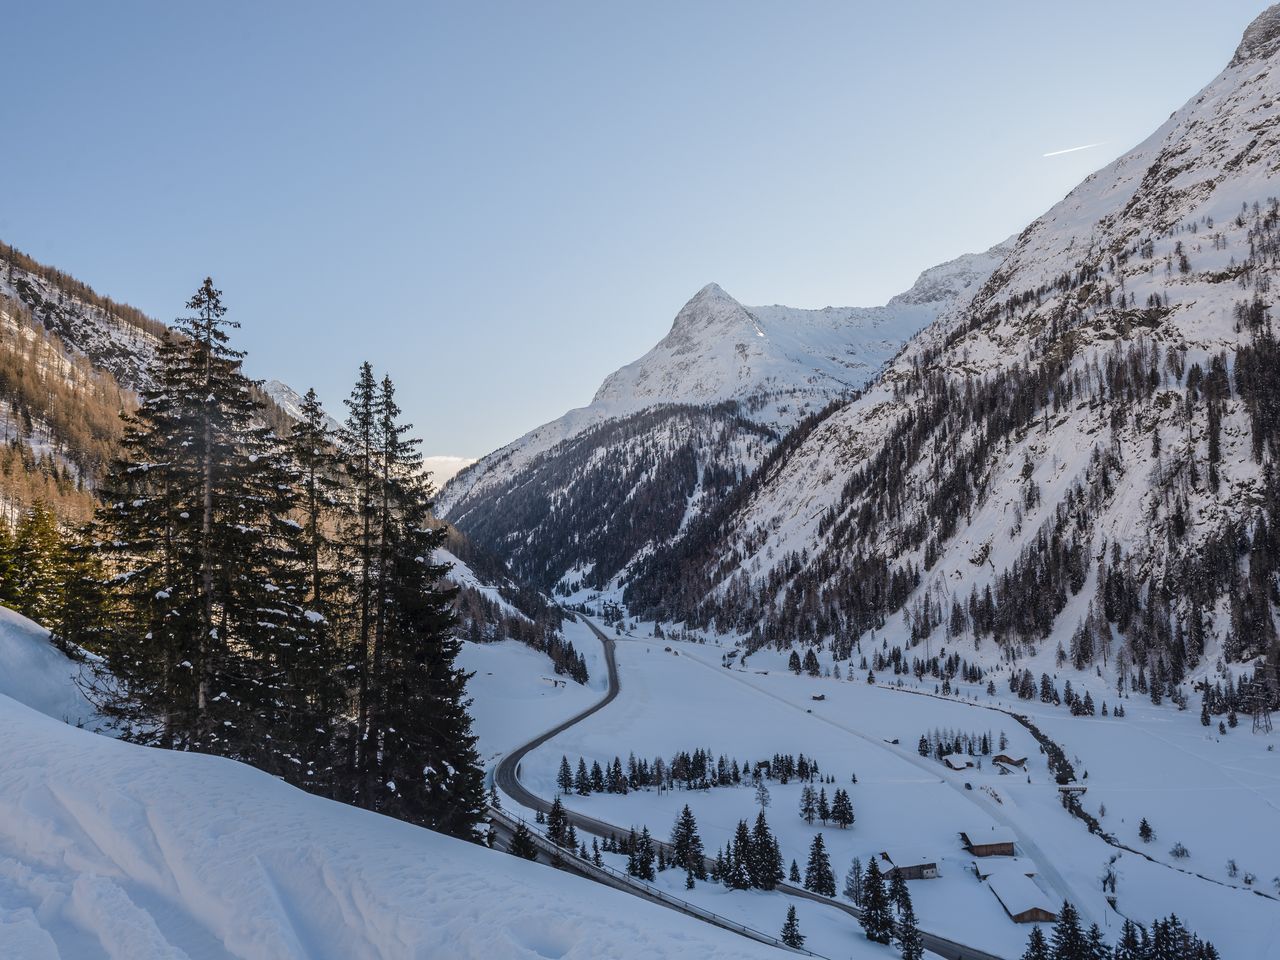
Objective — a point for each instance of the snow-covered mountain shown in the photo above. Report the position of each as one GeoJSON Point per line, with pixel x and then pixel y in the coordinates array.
{"type": "Point", "coordinates": [573, 502]}
{"type": "Point", "coordinates": [1079, 455]}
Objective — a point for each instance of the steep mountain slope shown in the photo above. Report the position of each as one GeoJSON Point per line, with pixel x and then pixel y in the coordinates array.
{"type": "Point", "coordinates": [1085, 452]}
{"type": "Point", "coordinates": [71, 361]}
{"type": "Point", "coordinates": [574, 502]}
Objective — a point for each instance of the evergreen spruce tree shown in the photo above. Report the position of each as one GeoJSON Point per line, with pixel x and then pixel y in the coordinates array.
{"type": "Point", "coordinates": [766, 856]}
{"type": "Point", "coordinates": [36, 565]}
{"type": "Point", "coordinates": [741, 858]}
{"type": "Point", "coordinates": [824, 806]}
{"type": "Point", "coordinates": [817, 874]}
{"type": "Point", "coordinates": [909, 939]}
{"type": "Point", "coordinates": [203, 652]}
{"type": "Point", "coordinates": [791, 934]}
{"type": "Point", "coordinates": [808, 804]}
{"type": "Point", "coordinates": [641, 862]}
{"type": "Point", "coordinates": [1129, 946]}
{"type": "Point", "coordinates": [898, 892]}
{"type": "Point", "coordinates": [1069, 941]}
{"type": "Point", "coordinates": [564, 778]}
{"type": "Point", "coordinates": [522, 844]}
{"type": "Point", "coordinates": [687, 844]}
{"type": "Point", "coordinates": [557, 823]}
{"type": "Point", "coordinates": [793, 876]}
{"type": "Point", "coordinates": [1097, 946]}
{"type": "Point", "coordinates": [853, 882]}
{"type": "Point", "coordinates": [1037, 947]}
{"type": "Point", "coordinates": [842, 809]}
{"type": "Point", "coordinates": [876, 919]}
{"type": "Point", "coordinates": [418, 758]}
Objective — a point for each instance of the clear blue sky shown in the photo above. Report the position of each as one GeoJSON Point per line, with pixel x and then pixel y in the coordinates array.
{"type": "Point", "coordinates": [500, 203]}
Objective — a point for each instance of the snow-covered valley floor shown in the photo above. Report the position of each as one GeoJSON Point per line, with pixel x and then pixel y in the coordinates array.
{"type": "Point", "coordinates": [1215, 798]}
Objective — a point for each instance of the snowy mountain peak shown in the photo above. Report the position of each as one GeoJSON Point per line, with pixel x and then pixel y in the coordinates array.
{"type": "Point", "coordinates": [710, 314]}
{"type": "Point", "coordinates": [1261, 38]}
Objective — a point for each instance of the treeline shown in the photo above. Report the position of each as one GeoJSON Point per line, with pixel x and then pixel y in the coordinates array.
{"type": "Point", "coordinates": [697, 769]}
{"type": "Point", "coordinates": [275, 600]}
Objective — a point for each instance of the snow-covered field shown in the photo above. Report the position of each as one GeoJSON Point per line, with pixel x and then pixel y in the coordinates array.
{"type": "Point", "coordinates": [517, 695]}
{"type": "Point", "coordinates": [1155, 762]}
{"type": "Point", "coordinates": [110, 851]}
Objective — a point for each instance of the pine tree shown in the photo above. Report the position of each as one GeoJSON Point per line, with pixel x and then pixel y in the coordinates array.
{"type": "Point", "coordinates": [36, 565]}
{"type": "Point", "coordinates": [557, 823]}
{"type": "Point", "coordinates": [909, 939]}
{"type": "Point", "coordinates": [876, 919]}
{"type": "Point", "coordinates": [522, 844]}
{"type": "Point", "coordinates": [817, 875]}
{"type": "Point", "coordinates": [1129, 946]}
{"type": "Point", "coordinates": [899, 895]}
{"type": "Point", "coordinates": [582, 779]}
{"type": "Point", "coordinates": [1097, 946]}
{"type": "Point", "coordinates": [1069, 941]}
{"type": "Point", "coordinates": [791, 934]}
{"type": "Point", "coordinates": [824, 807]}
{"type": "Point", "coordinates": [644, 856]}
{"type": "Point", "coordinates": [793, 876]}
{"type": "Point", "coordinates": [842, 809]}
{"type": "Point", "coordinates": [853, 882]}
{"type": "Point", "coordinates": [564, 779]}
{"type": "Point", "coordinates": [427, 767]}
{"type": "Point", "coordinates": [1145, 832]}
{"type": "Point", "coordinates": [210, 632]}
{"type": "Point", "coordinates": [1037, 947]}
{"type": "Point", "coordinates": [808, 804]}
{"type": "Point", "coordinates": [765, 867]}
{"type": "Point", "coordinates": [687, 844]}
{"type": "Point", "coordinates": [740, 858]}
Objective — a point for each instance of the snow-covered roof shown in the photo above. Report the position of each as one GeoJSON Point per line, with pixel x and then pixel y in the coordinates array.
{"type": "Point", "coordinates": [917, 860]}
{"type": "Point", "coordinates": [991, 834]}
{"type": "Point", "coordinates": [1018, 894]}
{"type": "Point", "coordinates": [991, 866]}
{"type": "Point", "coordinates": [957, 762]}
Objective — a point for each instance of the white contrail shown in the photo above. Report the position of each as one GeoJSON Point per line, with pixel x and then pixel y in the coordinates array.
{"type": "Point", "coordinates": [1087, 146]}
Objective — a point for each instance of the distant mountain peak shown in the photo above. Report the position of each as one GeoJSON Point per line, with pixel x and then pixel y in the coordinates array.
{"type": "Point", "coordinates": [1261, 38]}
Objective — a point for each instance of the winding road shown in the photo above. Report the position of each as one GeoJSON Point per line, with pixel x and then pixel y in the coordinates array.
{"type": "Point", "coordinates": [507, 779]}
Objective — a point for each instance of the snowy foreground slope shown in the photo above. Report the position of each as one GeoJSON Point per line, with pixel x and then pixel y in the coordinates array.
{"type": "Point", "coordinates": [110, 850]}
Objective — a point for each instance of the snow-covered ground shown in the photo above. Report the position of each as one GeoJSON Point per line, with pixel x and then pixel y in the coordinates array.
{"type": "Point", "coordinates": [516, 694]}
{"type": "Point", "coordinates": [1155, 762]}
{"type": "Point", "coordinates": [110, 851]}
